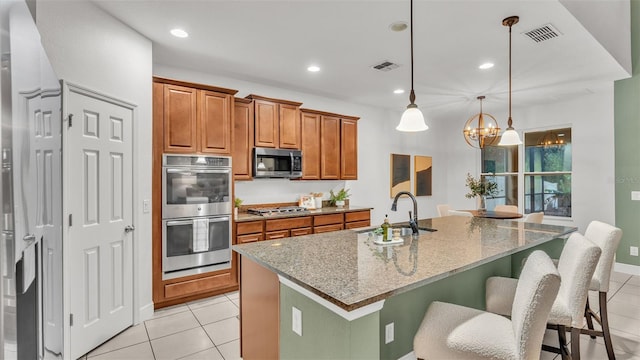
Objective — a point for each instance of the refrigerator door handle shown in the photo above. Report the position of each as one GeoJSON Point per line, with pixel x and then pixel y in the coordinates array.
{"type": "Point", "coordinates": [29, 239]}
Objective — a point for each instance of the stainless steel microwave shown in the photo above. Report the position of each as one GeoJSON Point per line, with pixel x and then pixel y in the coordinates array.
{"type": "Point", "coordinates": [277, 163]}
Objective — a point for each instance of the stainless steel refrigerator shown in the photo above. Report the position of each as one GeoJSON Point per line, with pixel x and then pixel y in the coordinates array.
{"type": "Point", "coordinates": [31, 196]}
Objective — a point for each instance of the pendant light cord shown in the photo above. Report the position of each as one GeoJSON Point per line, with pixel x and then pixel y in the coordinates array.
{"type": "Point", "coordinates": [510, 121]}
{"type": "Point", "coordinates": [412, 95]}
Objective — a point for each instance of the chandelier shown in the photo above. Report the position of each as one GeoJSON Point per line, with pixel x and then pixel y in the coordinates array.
{"type": "Point", "coordinates": [550, 139]}
{"type": "Point", "coordinates": [481, 129]}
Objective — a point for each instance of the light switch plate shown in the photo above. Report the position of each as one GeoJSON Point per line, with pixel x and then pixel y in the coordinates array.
{"type": "Point", "coordinates": [146, 206]}
{"type": "Point", "coordinates": [635, 195]}
{"type": "Point", "coordinates": [633, 250]}
{"type": "Point", "coordinates": [296, 320]}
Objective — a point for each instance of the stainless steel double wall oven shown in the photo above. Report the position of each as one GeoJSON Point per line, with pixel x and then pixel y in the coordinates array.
{"type": "Point", "coordinates": [196, 214]}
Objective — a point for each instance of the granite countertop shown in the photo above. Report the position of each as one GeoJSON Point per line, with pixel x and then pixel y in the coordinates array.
{"type": "Point", "coordinates": [348, 269]}
{"type": "Point", "coordinates": [322, 211]}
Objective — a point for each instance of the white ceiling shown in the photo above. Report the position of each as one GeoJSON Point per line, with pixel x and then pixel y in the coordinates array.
{"type": "Point", "coordinates": [273, 42]}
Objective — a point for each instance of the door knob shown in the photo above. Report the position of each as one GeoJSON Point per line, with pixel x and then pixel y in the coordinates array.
{"type": "Point", "coordinates": [129, 228]}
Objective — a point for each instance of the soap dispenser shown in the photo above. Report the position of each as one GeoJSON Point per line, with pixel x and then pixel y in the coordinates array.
{"type": "Point", "coordinates": [385, 228]}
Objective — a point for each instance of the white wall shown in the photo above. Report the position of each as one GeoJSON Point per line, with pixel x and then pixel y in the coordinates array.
{"type": "Point", "coordinates": [92, 49]}
{"type": "Point", "coordinates": [591, 118]}
{"type": "Point", "coordinates": [377, 139]}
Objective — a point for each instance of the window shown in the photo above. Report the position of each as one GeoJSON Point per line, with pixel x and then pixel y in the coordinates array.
{"type": "Point", "coordinates": [547, 172]}
{"type": "Point", "coordinates": [500, 164]}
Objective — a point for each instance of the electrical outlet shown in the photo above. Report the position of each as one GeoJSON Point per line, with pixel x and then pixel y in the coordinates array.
{"type": "Point", "coordinates": [635, 195]}
{"type": "Point", "coordinates": [296, 320]}
{"type": "Point", "coordinates": [388, 333]}
{"type": "Point", "coordinates": [633, 250]}
{"type": "Point", "coordinates": [146, 206]}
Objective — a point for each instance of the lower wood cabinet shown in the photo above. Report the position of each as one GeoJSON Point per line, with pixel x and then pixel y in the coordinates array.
{"type": "Point", "coordinates": [357, 219]}
{"type": "Point", "coordinates": [249, 231]}
{"type": "Point", "coordinates": [327, 228]}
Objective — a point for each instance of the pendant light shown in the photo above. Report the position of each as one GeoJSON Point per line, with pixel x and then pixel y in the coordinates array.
{"type": "Point", "coordinates": [481, 129]}
{"type": "Point", "coordinates": [412, 119]}
{"type": "Point", "coordinates": [510, 136]}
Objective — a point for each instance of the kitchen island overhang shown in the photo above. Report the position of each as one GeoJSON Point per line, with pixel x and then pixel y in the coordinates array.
{"type": "Point", "coordinates": [349, 276]}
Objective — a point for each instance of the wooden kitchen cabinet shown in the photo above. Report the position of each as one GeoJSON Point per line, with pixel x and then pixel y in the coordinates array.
{"type": "Point", "coordinates": [242, 143]}
{"type": "Point", "coordinates": [349, 149]}
{"type": "Point", "coordinates": [329, 148]}
{"type": "Point", "coordinates": [289, 126]}
{"type": "Point", "coordinates": [249, 231]}
{"type": "Point", "coordinates": [277, 122]}
{"type": "Point", "coordinates": [215, 122]}
{"type": "Point", "coordinates": [310, 145]}
{"type": "Point", "coordinates": [180, 118]}
{"type": "Point", "coordinates": [357, 219]}
{"type": "Point", "coordinates": [266, 123]}
{"type": "Point", "coordinates": [196, 118]}
{"type": "Point", "coordinates": [187, 118]}
{"type": "Point", "coordinates": [327, 223]}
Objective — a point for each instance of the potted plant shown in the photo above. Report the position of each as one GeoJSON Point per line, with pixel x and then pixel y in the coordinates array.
{"type": "Point", "coordinates": [481, 189]}
{"type": "Point", "coordinates": [236, 205]}
{"type": "Point", "coordinates": [337, 199]}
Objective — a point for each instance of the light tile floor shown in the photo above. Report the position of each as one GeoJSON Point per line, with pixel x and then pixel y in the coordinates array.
{"type": "Point", "coordinates": [202, 329]}
{"type": "Point", "coordinates": [209, 329]}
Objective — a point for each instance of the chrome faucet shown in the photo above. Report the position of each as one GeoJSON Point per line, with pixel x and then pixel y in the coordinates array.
{"type": "Point", "coordinates": [413, 221]}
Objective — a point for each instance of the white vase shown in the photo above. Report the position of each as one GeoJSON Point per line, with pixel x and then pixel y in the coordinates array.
{"type": "Point", "coordinates": [318, 201]}
{"type": "Point", "coordinates": [235, 213]}
{"type": "Point", "coordinates": [340, 203]}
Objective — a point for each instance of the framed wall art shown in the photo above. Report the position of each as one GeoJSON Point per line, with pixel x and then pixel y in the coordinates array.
{"type": "Point", "coordinates": [400, 173]}
{"type": "Point", "coordinates": [422, 166]}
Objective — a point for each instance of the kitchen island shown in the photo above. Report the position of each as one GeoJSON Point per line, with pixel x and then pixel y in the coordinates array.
{"type": "Point", "coordinates": [345, 290]}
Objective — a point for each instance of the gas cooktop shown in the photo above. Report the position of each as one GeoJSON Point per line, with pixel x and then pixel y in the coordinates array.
{"type": "Point", "coordinates": [277, 210]}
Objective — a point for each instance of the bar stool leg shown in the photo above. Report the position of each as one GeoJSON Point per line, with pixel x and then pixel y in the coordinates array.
{"type": "Point", "coordinates": [575, 344]}
{"type": "Point", "coordinates": [562, 340]}
{"type": "Point", "coordinates": [604, 317]}
{"type": "Point", "coordinates": [587, 315]}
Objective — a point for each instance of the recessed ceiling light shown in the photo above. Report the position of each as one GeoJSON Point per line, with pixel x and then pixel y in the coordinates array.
{"type": "Point", "coordinates": [486, 66]}
{"type": "Point", "coordinates": [179, 33]}
{"type": "Point", "coordinates": [313, 68]}
{"type": "Point", "coordinates": [398, 91]}
{"type": "Point", "coordinates": [398, 26]}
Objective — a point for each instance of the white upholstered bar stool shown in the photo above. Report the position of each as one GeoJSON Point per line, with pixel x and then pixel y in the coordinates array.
{"type": "Point", "coordinates": [607, 237]}
{"type": "Point", "coordinates": [443, 209]}
{"type": "Point", "coordinates": [451, 331]}
{"type": "Point", "coordinates": [506, 208]}
{"type": "Point", "coordinates": [460, 213]}
{"type": "Point", "coordinates": [534, 218]}
{"type": "Point", "coordinates": [576, 265]}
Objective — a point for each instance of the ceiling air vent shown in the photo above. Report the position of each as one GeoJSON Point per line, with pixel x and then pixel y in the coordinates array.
{"type": "Point", "coordinates": [385, 66]}
{"type": "Point", "coordinates": [543, 33]}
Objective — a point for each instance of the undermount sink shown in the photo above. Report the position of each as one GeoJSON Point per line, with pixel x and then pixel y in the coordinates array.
{"type": "Point", "coordinates": [405, 230]}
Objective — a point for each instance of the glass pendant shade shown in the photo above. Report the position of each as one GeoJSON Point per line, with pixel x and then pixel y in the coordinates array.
{"type": "Point", "coordinates": [412, 120]}
{"type": "Point", "coordinates": [510, 137]}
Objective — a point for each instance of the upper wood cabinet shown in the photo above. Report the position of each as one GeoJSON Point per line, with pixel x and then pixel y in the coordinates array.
{"type": "Point", "coordinates": [180, 118]}
{"type": "Point", "coordinates": [242, 142]}
{"type": "Point", "coordinates": [277, 122]}
{"type": "Point", "coordinates": [349, 149]}
{"type": "Point", "coordinates": [215, 122]}
{"type": "Point", "coordinates": [196, 118]}
{"type": "Point", "coordinates": [310, 137]}
{"type": "Point", "coordinates": [329, 147]}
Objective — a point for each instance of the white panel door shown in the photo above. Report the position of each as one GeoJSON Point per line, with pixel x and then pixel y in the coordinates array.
{"type": "Point", "coordinates": [44, 121]}
{"type": "Point", "coordinates": [99, 200]}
